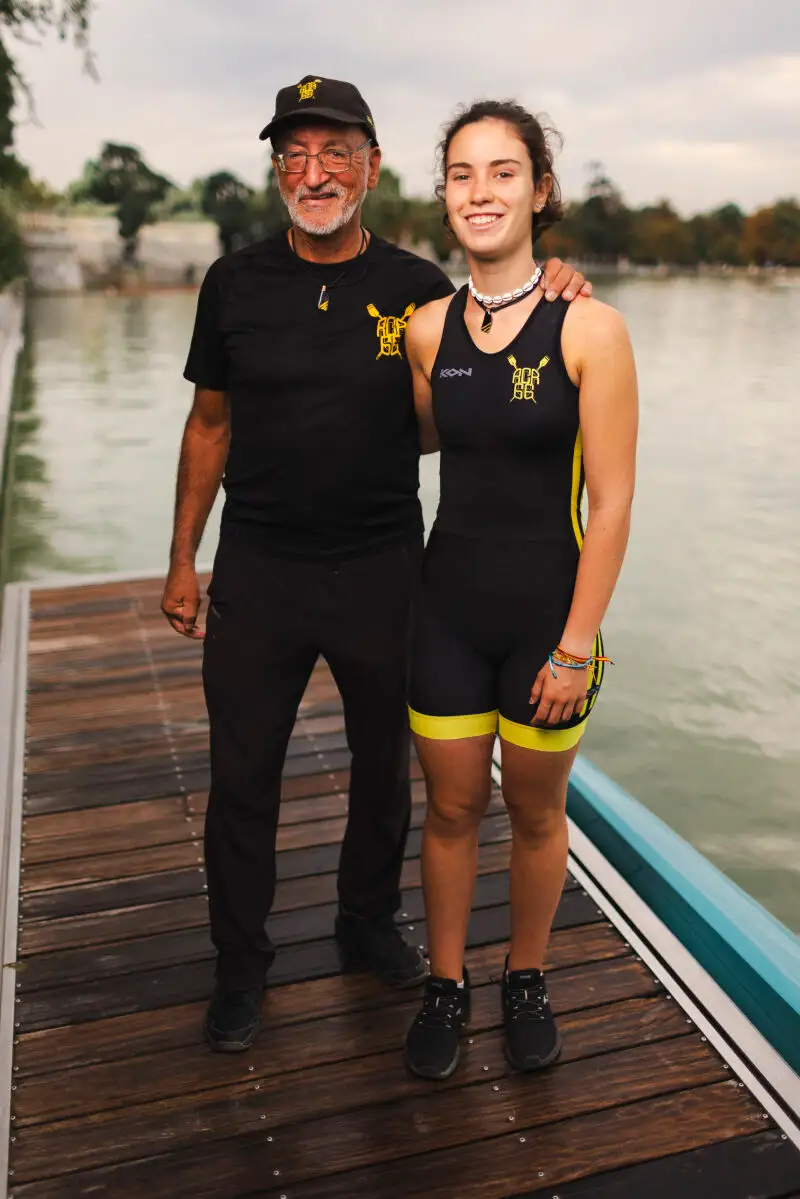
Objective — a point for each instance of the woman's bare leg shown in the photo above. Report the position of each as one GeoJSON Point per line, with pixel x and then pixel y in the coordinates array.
{"type": "Point", "coordinates": [535, 793]}
{"type": "Point", "coordinates": [458, 784]}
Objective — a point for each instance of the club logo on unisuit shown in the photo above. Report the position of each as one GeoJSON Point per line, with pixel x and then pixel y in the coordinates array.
{"type": "Point", "coordinates": [454, 372]}
{"type": "Point", "coordinates": [390, 329]}
{"type": "Point", "coordinates": [526, 379]}
{"type": "Point", "coordinates": [306, 91]}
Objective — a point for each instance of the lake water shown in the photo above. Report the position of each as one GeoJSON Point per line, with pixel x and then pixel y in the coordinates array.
{"type": "Point", "coordinates": [700, 717]}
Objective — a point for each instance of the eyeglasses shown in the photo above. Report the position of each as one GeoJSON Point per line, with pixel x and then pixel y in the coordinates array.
{"type": "Point", "coordinates": [333, 161]}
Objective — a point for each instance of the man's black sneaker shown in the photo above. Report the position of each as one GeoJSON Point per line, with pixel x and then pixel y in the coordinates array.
{"type": "Point", "coordinates": [377, 945]}
{"type": "Point", "coordinates": [532, 1040]}
{"type": "Point", "coordinates": [432, 1040]}
{"type": "Point", "coordinates": [233, 1019]}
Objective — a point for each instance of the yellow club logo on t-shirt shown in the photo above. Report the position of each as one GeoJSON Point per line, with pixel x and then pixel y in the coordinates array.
{"type": "Point", "coordinates": [390, 330]}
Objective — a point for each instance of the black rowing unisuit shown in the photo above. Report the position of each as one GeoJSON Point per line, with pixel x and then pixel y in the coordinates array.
{"type": "Point", "coordinates": [508, 423]}
{"type": "Point", "coordinates": [323, 459]}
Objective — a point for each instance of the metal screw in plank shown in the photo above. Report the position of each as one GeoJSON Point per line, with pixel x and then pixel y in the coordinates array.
{"type": "Point", "coordinates": [486, 1069]}
{"type": "Point", "coordinates": [251, 1069]}
{"type": "Point", "coordinates": [511, 1119]}
{"type": "Point", "coordinates": [522, 1140]}
{"type": "Point", "coordinates": [276, 1172]}
{"type": "Point", "coordinates": [495, 1088]}
{"type": "Point", "coordinates": [269, 1140]}
{"type": "Point", "coordinates": [263, 1117]}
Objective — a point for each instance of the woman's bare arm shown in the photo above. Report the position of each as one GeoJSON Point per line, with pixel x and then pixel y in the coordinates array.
{"type": "Point", "coordinates": [597, 344]}
{"type": "Point", "coordinates": [598, 357]}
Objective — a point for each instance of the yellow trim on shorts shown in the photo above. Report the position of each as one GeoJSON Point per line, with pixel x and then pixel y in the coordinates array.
{"type": "Point", "coordinates": [549, 740]}
{"type": "Point", "coordinates": [450, 728]}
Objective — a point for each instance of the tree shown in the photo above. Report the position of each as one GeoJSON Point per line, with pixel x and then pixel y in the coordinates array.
{"type": "Point", "coordinates": [603, 222]}
{"type": "Point", "coordinates": [226, 200]}
{"type": "Point", "coordinates": [69, 18]}
{"type": "Point", "coordinates": [772, 235]}
{"type": "Point", "coordinates": [660, 236]}
{"type": "Point", "coordinates": [121, 177]}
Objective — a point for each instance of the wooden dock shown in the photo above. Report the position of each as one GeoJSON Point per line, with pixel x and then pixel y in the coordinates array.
{"type": "Point", "coordinates": [114, 1092]}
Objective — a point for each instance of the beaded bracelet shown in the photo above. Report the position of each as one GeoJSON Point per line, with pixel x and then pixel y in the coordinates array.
{"type": "Point", "coordinates": [577, 665]}
{"type": "Point", "coordinates": [568, 657]}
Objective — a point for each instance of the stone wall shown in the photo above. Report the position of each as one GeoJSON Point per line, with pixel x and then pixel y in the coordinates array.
{"type": "Point", "coordinates": [77, 253]}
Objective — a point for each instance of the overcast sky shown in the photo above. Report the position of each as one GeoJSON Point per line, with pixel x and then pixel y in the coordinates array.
{"type": "Point", "coordinates": [698, 100]}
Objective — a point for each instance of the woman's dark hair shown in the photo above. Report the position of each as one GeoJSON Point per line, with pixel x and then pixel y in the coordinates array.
{"type": "Point", "coordinates": [539, 140]}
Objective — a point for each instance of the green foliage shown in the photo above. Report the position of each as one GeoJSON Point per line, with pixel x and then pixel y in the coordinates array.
{"type": "Point", "coordinates": [772, 235]}
{"type": "Point", "coordinates": [121, 177]}
{"type": "Point", "coordinates": [12, 251]}
{"type": "Point", "coordinates": [227, 201]}
{"type": "Point", "coordinates": [602, 228]}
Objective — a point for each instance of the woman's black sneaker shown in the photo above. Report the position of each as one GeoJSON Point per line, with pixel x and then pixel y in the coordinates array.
{"type": "Point", "coordinates": [377, 944]}
{"type": "Point", "coordinates": [532, 1040]}
{"type": "Point", "coordinates": [432, 1040]}
{"type": "Point", "coordinates": [233, 1019]}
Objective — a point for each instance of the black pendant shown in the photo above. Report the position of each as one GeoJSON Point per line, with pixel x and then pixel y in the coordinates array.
{"type": "Point", "coordinates": [486, 324]}
{"type": "Point", "coordinates": [323, 301]}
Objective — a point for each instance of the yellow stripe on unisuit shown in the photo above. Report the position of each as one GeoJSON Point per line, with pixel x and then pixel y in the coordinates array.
{"type": "Point", "coordinates": [577, 490]}
{"type": "Point", "coordinates": [450, 728]}
{"type": "Point", "coordinates": [548, 740]}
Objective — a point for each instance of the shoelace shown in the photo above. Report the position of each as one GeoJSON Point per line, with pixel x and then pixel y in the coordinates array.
{"type": "Point", "coordinates": [528, 1003]}
{"type": "Point", "coordinates": [439, 1011]}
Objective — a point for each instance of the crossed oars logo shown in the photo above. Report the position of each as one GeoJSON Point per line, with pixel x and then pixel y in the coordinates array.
{"type": "Point", "coordinates": [526, 378]}
{"type": "Point", "coordinates": [390, 329]}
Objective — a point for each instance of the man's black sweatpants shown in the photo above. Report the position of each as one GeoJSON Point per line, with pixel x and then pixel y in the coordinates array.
{"type": "Point", "coordinates": [268, 621]}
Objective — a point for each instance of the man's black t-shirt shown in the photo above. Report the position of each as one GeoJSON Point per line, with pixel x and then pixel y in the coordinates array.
{"type": "Point", "coordinates": [323, 459]}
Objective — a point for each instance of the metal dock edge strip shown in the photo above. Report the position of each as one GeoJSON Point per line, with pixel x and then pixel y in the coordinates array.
{"type": "Point", "coordinates": [13, 685]}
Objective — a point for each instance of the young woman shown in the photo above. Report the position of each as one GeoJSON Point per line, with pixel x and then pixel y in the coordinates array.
{"type": "Point", "coordinates": [528, 402]}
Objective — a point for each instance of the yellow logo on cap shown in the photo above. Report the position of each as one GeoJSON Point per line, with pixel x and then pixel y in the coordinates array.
{"type": "Point", "coordinates": [389, 330]}
{"type": "Point", "coordinates": [306, 90]}
{"type": "Point", "coordinates": [526, 379]}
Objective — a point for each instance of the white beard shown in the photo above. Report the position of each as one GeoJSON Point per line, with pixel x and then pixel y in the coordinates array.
{"type": "Point", "coordinates": [314, 228]}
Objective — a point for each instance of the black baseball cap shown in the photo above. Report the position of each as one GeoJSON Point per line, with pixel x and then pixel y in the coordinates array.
{"type": "Point", "coordinates": [325, 99]}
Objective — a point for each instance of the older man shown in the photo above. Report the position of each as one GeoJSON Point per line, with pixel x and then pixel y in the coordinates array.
{"type": "Point", "coordinates": [303, 401]}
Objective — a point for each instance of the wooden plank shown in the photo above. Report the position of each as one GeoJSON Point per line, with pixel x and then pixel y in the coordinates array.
{"type": "Point", "coordinates": [147, 1078]}
{"type": "Point", "coordinates": [119, 923]}
{"type": "Point", "coordinates": [142, 1032]}
{"type": "Point", "coordinates": [761, 1166]}
{"type": "Point", "coordinates": [108, 896]}
{"type": "Point", "coordinates": [304, 1070]}
{"type": "Point", "coordinates": [319, 886]}
{"type": "Point", "coordinates": [157, 786]}
{"type": "Point", "coordinates": [182, 820]}
{"type": "Point", "coordinates": [320, 856]}
{"type": "Point", "coordinates": [74, 967]}
{"type": "Point", "coordinates": [132, 826]}
{"type": "Point", "coordinates": [392, 1133]}
{"type": "Point", "coordinates": [497, 1167]}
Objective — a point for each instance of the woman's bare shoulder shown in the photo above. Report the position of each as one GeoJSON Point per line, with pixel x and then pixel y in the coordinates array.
{"type": "Point", "coordinates": [591, 321]}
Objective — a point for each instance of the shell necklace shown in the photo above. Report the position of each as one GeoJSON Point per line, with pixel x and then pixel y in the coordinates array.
{"type": "Point", "coordinates": [492, 304]}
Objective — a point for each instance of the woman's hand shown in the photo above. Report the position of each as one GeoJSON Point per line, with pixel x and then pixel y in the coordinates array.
{"type": "Point", "coordinates": [558, 699]}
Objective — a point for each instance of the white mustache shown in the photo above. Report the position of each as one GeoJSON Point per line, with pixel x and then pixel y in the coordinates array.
{"type": "Point", "coordinates": [334, 189]}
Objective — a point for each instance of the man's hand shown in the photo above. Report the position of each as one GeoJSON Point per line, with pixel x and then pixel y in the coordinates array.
{"type": "Point", "coordinates": [561, 279]}
{"type": "Point", "coordinates": [180, 602]}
